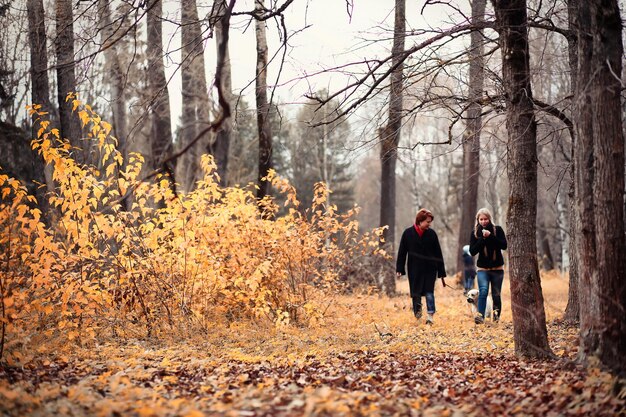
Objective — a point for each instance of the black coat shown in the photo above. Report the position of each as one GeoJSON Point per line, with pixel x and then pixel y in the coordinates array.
{"type": "Point", "coordinates": [424, 260]}
{"type": "Point", "coordinates": [489, 250]}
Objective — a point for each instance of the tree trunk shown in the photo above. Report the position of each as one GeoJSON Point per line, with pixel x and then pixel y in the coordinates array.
{"type": "Point", "coordinates": [161, 130]}
{"type": "Point", "coordinates": [471, 139]}
{"type": "Point", "coordinates": [572, 311]}
{"type": "Point", "coordinates": [391, 138]}
{"type": "Point", "coordinates": [195, 115]}
{"type": "Point", "coordinates": [602, 285]}
{"type": "Point", "coordinates": [114, 76]}
{"type": "Point", "coordinates": [529, 321]}
{"type": "Point", "coordinates": [262, 105]}
{"type": "Point", "coordinates": [547, 261]}
{"type": "Point", "coordinates": [40, 90]}
{"type": "Point", "coordinates": [220, 146]}
{"type": "Point", "coordinates": [66, 79]}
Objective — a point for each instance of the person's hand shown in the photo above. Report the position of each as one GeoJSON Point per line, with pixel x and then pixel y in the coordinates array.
{"type": "Point", "coordinates": [398, 274]}
{"type": "Point", "coordinates": [486, 233]}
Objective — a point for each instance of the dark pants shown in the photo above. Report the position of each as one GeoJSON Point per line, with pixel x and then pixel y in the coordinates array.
{"type": "Point", "coordinates": [430, 303]}
{"type": "Point", "coordinates": [468, 284]}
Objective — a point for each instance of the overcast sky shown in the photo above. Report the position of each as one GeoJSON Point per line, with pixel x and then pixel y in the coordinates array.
{"type": "Point", "coordinates": [332, 37]}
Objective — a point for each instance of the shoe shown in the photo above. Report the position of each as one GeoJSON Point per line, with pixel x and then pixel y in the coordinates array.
{"type": "Point", "coordinates": [418, 314]}
{"type": "Point", "coordinates": [479, 319]}
{"type": "Point", "coordinates": [429, 319]}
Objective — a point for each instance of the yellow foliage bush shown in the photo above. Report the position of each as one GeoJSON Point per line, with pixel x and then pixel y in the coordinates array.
{"type": "Point", "coordinates": [164, 262]}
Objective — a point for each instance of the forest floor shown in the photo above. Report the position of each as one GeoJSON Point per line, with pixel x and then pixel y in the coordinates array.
{"type": "Point", "coordinates": [369, 357]}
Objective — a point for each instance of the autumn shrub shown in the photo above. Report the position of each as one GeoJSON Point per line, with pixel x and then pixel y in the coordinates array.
{"type": "Point", "coordinates": [164, 262]}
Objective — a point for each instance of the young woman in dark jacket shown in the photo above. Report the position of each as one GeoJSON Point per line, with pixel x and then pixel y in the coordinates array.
{"type": "Point", "coordinates": [420, 251]}
{"type": "Point", "coordinates": [488, 241]}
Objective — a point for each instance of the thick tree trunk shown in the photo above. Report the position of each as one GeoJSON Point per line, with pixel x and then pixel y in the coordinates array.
{"type": "Point", "coordinates": [529, 321]}
{"type": "Point", "coordinates": [40, 90]}
{"type": "Point", "coordinates": [391, 138]}
{"type": "Point", "coordinates": [161, 131]}
{"type": "Point", "coordinates": [219, 148]}
{"type": "Point", "coordinates": [66, 79]}
{"type": "Point", "coordinates": [471, 139]}
{"type": "Point", "coordinates": [262, 105]}
{"type": "Point", "coordinates": [572, 311]}
{"type": "Point", "coordinates": [195, 116]}
{"type": "Point", "coordinates": [583, 160]}
{"type": "Point", "coordinates": [600, 50]}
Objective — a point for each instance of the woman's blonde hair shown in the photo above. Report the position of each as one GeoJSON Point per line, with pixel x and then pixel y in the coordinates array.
{"type": "Point", "coordinates": [483, 212]}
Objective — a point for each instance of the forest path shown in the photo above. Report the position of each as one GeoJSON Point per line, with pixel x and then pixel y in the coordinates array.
{"type": "Point", "coordinates": [346, 366]}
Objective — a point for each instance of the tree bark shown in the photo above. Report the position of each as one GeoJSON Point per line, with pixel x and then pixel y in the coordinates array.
{"type": "Point", "coordinates": [547, 261]}
{"type": "Point", "coordinates": [529, 321]}
{"type": "Point", "coordinates": [114, 76]}
{"type": "Point", "coordinates": [219, 148]}
{"type": "Point", "coordinates": [40, 90]}
{"type": "Point", "coordinates": [572, 311]}
{"type": "Point", "coordinates": [66, 79]}
{"type": "Point", "coordinates": [471, 139]}
{"type": "Point", "coordinates": [391, 138]}
{"type": "Point", "coordinates": [601, 173]}
{"type": "Point", "coordinates": [262, 105]}
{"type": "Point", "coordinates": [161, 127]}
{"type": "Point", "coordinates": [195, 115]}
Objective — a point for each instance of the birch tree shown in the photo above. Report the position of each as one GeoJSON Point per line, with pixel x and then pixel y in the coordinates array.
{"type": "Point", "coordinates": [262, 104]}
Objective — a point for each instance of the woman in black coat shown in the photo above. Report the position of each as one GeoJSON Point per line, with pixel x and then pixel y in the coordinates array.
{"type": "Point", "coordinates": [420, 244]}
{"type": "Point", "coordinates": [488, 241]}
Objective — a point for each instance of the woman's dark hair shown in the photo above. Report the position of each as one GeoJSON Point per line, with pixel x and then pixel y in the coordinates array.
{"type": "Point", "coordinates": [422, 215]}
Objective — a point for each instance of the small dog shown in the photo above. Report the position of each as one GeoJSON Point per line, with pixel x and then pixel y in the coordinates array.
{"type": "Point", "coordinates": [472, 299]}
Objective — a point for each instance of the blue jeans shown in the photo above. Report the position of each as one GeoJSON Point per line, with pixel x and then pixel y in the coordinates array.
{"type": "Point", "coordinates": [494, 278]}
{"type": "Point", "coordinates": [430, 303]}
{"type": "Point", "coordinates": [469, 280]}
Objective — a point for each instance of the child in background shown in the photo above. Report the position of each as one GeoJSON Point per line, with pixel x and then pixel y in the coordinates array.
{"type": "Point", "coordinates": [469, 270]}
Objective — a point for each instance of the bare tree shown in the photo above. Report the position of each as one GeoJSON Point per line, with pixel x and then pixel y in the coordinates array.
{"type": "Point", "coordinates": [220, 146]}
{"type": "Point", "coordinates": [161, 131]}
{"type": "Point", "coordinates": [572, 311]}
{"type": "Point", "coordinates": [600, 184]}
{"type": "Point", "coordinates": [471, 139]}
{"type": "Point", "coordinates": [40, 87]}
{"type": "Point", "coordinates": [114, 75]}
{"type": "Point", "coordinates": [262, 104]}
{"type": "Point", "coordinates": [529, 321]}
{"type": "Point", "coordinates": [390, 137]}
{"type": "Point", "coordinates": [196, 104]}
{"type": "Point", "coordinates": [66, 77]}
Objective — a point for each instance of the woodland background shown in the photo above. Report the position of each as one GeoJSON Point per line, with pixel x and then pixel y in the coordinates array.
{"type": "Point", "coordinates": [167, 196]}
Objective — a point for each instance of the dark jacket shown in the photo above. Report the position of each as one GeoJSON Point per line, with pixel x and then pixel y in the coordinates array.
{"type": "Point", "coordinates": [489, 250]}
{"type": "Point", "coordinates": [468, 263]}
{"type": "Point", "coordinates": [424, 260]}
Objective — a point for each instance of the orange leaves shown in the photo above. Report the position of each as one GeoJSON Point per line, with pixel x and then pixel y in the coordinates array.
{"type": "Point", "coordinates": [166, 264]}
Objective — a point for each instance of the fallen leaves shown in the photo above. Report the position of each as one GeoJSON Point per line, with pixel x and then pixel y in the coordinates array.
{"type": "Point", "coordinates": [452, 368]}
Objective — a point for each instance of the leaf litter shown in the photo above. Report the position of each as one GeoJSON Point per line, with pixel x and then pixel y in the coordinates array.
{"type": "Point", "coordinates": [369, 357]}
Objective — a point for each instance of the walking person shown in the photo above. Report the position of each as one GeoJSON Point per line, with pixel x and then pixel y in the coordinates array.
{"type": "Point", "coordinates": [421, 253]}
{"type": "Point", "coordinates": [469, 270]}
{"type": "Point", "coordinates": [488, 241]}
